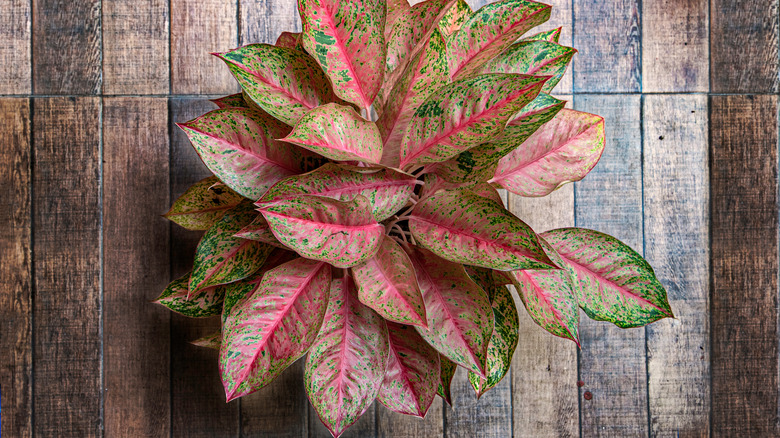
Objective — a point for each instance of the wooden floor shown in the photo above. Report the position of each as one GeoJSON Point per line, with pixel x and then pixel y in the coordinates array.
{"type": "Point", "coordinates": [90, 158]}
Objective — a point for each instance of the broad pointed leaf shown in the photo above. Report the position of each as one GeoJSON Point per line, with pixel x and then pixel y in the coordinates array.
{"type": "Point", "coordinates": [260, 231]}
{"type": "Point", "coordinates": [612, 282]}
{"type": "Point", "coordinates": [207, 303]}
{"type": "Point", "coordinates": [413, 372]}
{"type": "Point", "coordinates": [490, 31]}
{"type": "Point", "coordinates": [552, 35]}
{"type": "Point", "coordinates": [540, 58]}
{"type": "Point", "coordinates": [485, 190]}
{"type": "Point", "coordinates": [290, 40]}
{"type": "Point", "coordinates": [454, 18]}
{"type": "Point", "coordinates": [340, 233]}
{"type": "Point", "coordinates": [346, 365]}
{"type": "Point", "coordinates": [223, 258]}
{"type": "Point", "coordinates": [387, 190]}
{"type": "Point", "coordinates": [212, 341]}
{"type": "Point", "coordinates": [231, 101]}
{"type": "Point", "coordinates": [387, 284]}
{"type": "Point", "coordinates": [274, 325]}
{"type": "Point", "coordinates": [460, 319]}
{"type": "Point", "coordinates": [466, 228]}
{"type": "Point", "coordinates": [563, 150]}
{"type": "Point", "coordinates": [284, 82]}
{"type": "Point", "coordinates": [395, 9]}
{"type": "Point", "coordinates": [203, 204]}
{"type": "Point", "coordinates": [346, 38]}
{"type": "Point", "coordinates": [464, 114]}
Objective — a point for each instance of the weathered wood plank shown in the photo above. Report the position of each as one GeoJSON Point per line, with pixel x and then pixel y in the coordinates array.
{"type": "Point", "coordinates": [744, 265]}
{"type": "Point", "coordinates": [15, 56]}
{"type": "Point", "coordinates": [198, 28]}
{"type": "Point", "coordinates": [743, 46]}
{"type": "Point", "coordinates": [489, 417]}
{"type": "Point", "coordinates": [676, 205]}
{"type": "Point", "coordinates": [135, 245]}
{"type": "Point", "coordinates": [394, 425]}
{"type": "Point", "coordinates": [612, 360]}
{"type": "Point", "coordinates": [66, 290]}
{"type": "Point", "coordinates": [263, 20]}
{"type": "Point", "coordinates": [66, 47]}
{"type": "Point", "coordinates": [283, 402]}
{"type": "Point", "coordinates": [675, 45]}
{"type": "Point", "coordinates": [135, 47]}
{"type": "Point", "coordinates": [607, 35]}
{"type": "Point", "coordinates": [197, 397]}
{"type": "Point", "coordinates": [15, 270]}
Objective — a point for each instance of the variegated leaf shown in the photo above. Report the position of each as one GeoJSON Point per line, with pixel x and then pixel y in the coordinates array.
{"type": "Point", "coordinates": [212, 341]}
{"type": "Point", "coordinates": [612, 282]}
{"type": "Point", "coordinates": [490, 31]}
{"type": "Point", "coordinates": [485, 190]}
{"type": "Point", "coordinates": [463, 227]}
{"type": "Point", "coordinates": [395, 9]}
{"type": "Point", "coordinates": [387, 284]}
{"type": "Point", "coordinates": [447, 372]}
{"type": "Point", "coordinates": [347, 39]}
{"type": "Point", "coordinates": [273, 325]}
{"type": "Point", "coordinates": [540, 58]}
{"type": "Point", "coordinates": [223, 258]}
{"type": "Point", "coordinates": [413, 372]}
{"type": "Point", "coordinates": [260, 231]}
{"type": "Point", "coordinates": [203, 204]}
{"type": "Point", "coordinates": [552, 35]}
{"type": "Point", "coordinates": [290, 40]}
{"type": "Point", "coordinates": [563, 150]}
{"type": "Point", "coordinates": [284, 82]}
{"type": "Point", "coordinates": [231, 101]}
{"type": "Point", "coordinates": [464, 114]}
{"type": "Point", "coordinates": [453, 19]}
{"type": "Point", "coordinates": [340, 233]}
{"type": "Point", "coordinates": [387, 190]}
{"type": "Point", "coordinates": [207, 303]}
{"type": "Point", "coordinates": [346, 365]}
{"type": "Point", "coordinates": [460, 319]}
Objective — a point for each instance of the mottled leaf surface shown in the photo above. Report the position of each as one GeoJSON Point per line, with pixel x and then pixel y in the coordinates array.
{"type": "Point", "coordinates": [447, 369]}
{"type": "Point", "coordinates": [541, 58]}
{"type": "Point", "coordinates": [485, 190]}
{"type": "Point", "coordinates": [207, 303]}
{"type": "Point", "coordinates": [552, 35]}
{"type": "Point", "coordinates": [395, 9]}
{"type": "Point", "coordinates": [203, 204]}
{"type": "Point", "coordinates": [260, 231]}
{"type": "Point", "coordinates": [453, 19]}
{"type": "Point", "coordinates": [212, 341]}
{"type": "Point", "coordinates": [290, 40]}
{"type": "Point", "coordinates": [231, 101]}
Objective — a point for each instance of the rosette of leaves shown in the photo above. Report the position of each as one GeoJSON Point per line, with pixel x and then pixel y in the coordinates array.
{"type": "Point", "coordinates": [354, 217]}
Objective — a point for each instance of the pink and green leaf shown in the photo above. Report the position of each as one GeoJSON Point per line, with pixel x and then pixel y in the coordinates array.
{"type": "Point", "coordinates": [203, 204]}
{"type": "Point", "coordinates": [260, 231]}
{"type": "Point", "coordinates": [290, 40]}
{"type": "Point", "coordinates": [552, 35]}
{"type": "Point", "coordinates": [453, 19]}
{"type": "Point", "coordinates": [485, 190]}
{"type": "Point", "coordinates": [395, 9]}
{"type": "Point", "coordinates": [540, 58]}
{"type": "Point", "coordinates": [447, 372]}
{"type": "Point", "coordinates": [212, 341]}
{"type": "Point", "coordinates": [231, 101]}
{"type": "Point", "coordinates": [207, 303]}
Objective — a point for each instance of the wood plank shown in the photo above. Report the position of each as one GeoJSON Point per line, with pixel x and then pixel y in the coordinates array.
{"type": "Point", "coordinates": [15, 56]}
{"type": "Point", "coordinates": [488, 417]}
{"type": "Point", "coordinates": [135, 47]}
{"type": "Point", "coordinates": [66, 289]}
{"type": "Point", "coordinates": [197, 397]}
{"type": "Point", "coordinates": [198, 28]}
{"type": "Point", "coordinates": [136, 267]}
{"type": "Point", "coordinates": [612, 360]}
{"type": "Point", "coordinates": [609, 60]}
{"type": "Point", "coordinates": [676, 204]}
{"type": "Point", "coordinates": [394, 425]}
{"type": "Point", "coordinates": [744, 46]}
{"type": "Point", "coordinates": [744, 265]}
{"type": "Point", "coordinates": [675, 45]}
{"type": "Point", "coordinates": [263, 20]}
{"type": "Point", "coordinates": [561, 16]}
{"type": "Point", "coordinates": [66, 47]}
{"type": "Point", "coordinates": [15, 270]}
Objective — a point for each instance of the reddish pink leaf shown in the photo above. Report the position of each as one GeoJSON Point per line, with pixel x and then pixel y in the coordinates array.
{"type": "Point", "coordinates": [289, 40]}
{"type": "Point", "coordinates": [539, 58]}
{"type": "Point", "coordinates": [487, 191]}
{"type": "Point", "coordinates": [448, 369]}
{"type": "Point", "coordinates": [260, 231]}
{"type": "Point", "coordinates": [232, 101]}
{"type": "Point", "coordinates": [454, 18]}
{"type": "Point", "coordinates": [395, 9]}
{"type": "Point", "coordinates": [203, 204]}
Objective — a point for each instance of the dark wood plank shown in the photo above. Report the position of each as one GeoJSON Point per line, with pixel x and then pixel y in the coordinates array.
{"type": "Point", "coordinates": [675, 45]}
{"type": "Point", "coordinates": [263, 20]}
{"type": "Point", "coordinates": [394, 425]}
{"type": "Point", "coordinates": [744, 265]}
{"type": "Point", "coordinates": [609, 199]}
{"type": "Point", "coordinates": [66, 47]}
{"type": "Point", "coordinates": [200, 27]}
{"type": "Point", "coordinates": [135, 47]}
{"type": "Point", "coordinates": [15, 57]}
{"type": "Point", "coordinates": [743, 46]}
{"type": "Point", "coordinates": [489, 417]}
{"type": "Point", "coordinates": [135, 242]}
{"type": "Point", "coordinates": [15, 270]}
{"type": "Point", "coordinates": [197, 399]}
{"type": "Point", "coordinates": [607, 35]}
{"type": "Point", "coordinates": [676, 200]}
{"type": "Point", "coordinates": [66, 242]}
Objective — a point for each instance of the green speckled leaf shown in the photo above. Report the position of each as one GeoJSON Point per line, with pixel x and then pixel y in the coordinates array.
{"type": "Point", "coordinates": [453, 19]}
{"type": "Point", "coordinates": [284, 82]}
{"type": "Point", "coordinates": [541, 58]}
{"type": "Point", "coordinates": [203, 204]}
{"type": "Point", "coordinates": [395, 9]}
{"type": "Point", "coordinates": [290, 40]}
{"type": "Point", "coordinates": [490, 31]}
{"type": "Point", "coordinates": [552, 36]}
{"type": "Point", "coordinates": [339, 133]}
{"type": "Point", "coordinates": [231, 101]}
{"type": "Point", "coordinates": [212, 341]}
{"type": "Point", "coordinates": [463, 227]}
{"type": "Point", "coordinates": [485, 190]}
{"type": "Point", "coordinates": [207, 303]}
{"type": "Point", "coordinates": [346, 38]}
{"type": "Point", "coordinates": [340, 233]}
{"type": "Point", "coordinates": [563, 150]}
{"type": "Point", "coordinates": [346, 365]}
{"type": "Point", "coordinates": [260, 231]}
{"type": "Point", "coordinates": [612, 282]}
{"type": "Point", "coordinates": [464, 114]}
{"type": "Point", "coordinates": [447, 370]}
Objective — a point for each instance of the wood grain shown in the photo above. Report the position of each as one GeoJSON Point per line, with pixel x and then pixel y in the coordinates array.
{"type": "Point", "coordinates": [676, 212]}
{"type": "Point", "coordinates": [15, 56]}
{"type": "Point", "coordinates": [489, 417]}
{"type": "Point", "coordinates": [66, 47]}
{"type": "Point", "coordinates": [394, 425]}
{"type": "Point", "coordinates": [198, 28]}
{"type": "Point", "coordinates": [609, 59]}
{"type": "Point", "coordinates": [744, 265]}
{"type": "Point", "coordinates": [744, 46]}
{"type": "Point", "coordinates": [261, 21]}
{"type": "Point", "coordinates": [135, 47]}
{"type": "Point", "coordinates": [609, 199]}
{"type": "Point", "coordinates": [675, 45]}
{"type": "Point", "coordinates": [15, 269]}
{"type": "Point", "coordinates": [67, 287]}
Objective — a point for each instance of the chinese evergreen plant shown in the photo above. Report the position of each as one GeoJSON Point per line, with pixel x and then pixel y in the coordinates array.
{"type": "Point", "coordinates": [354, 214]}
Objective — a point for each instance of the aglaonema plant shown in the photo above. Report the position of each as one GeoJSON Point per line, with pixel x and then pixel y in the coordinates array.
{"type": "Point", "coordinates": [354, 213]}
